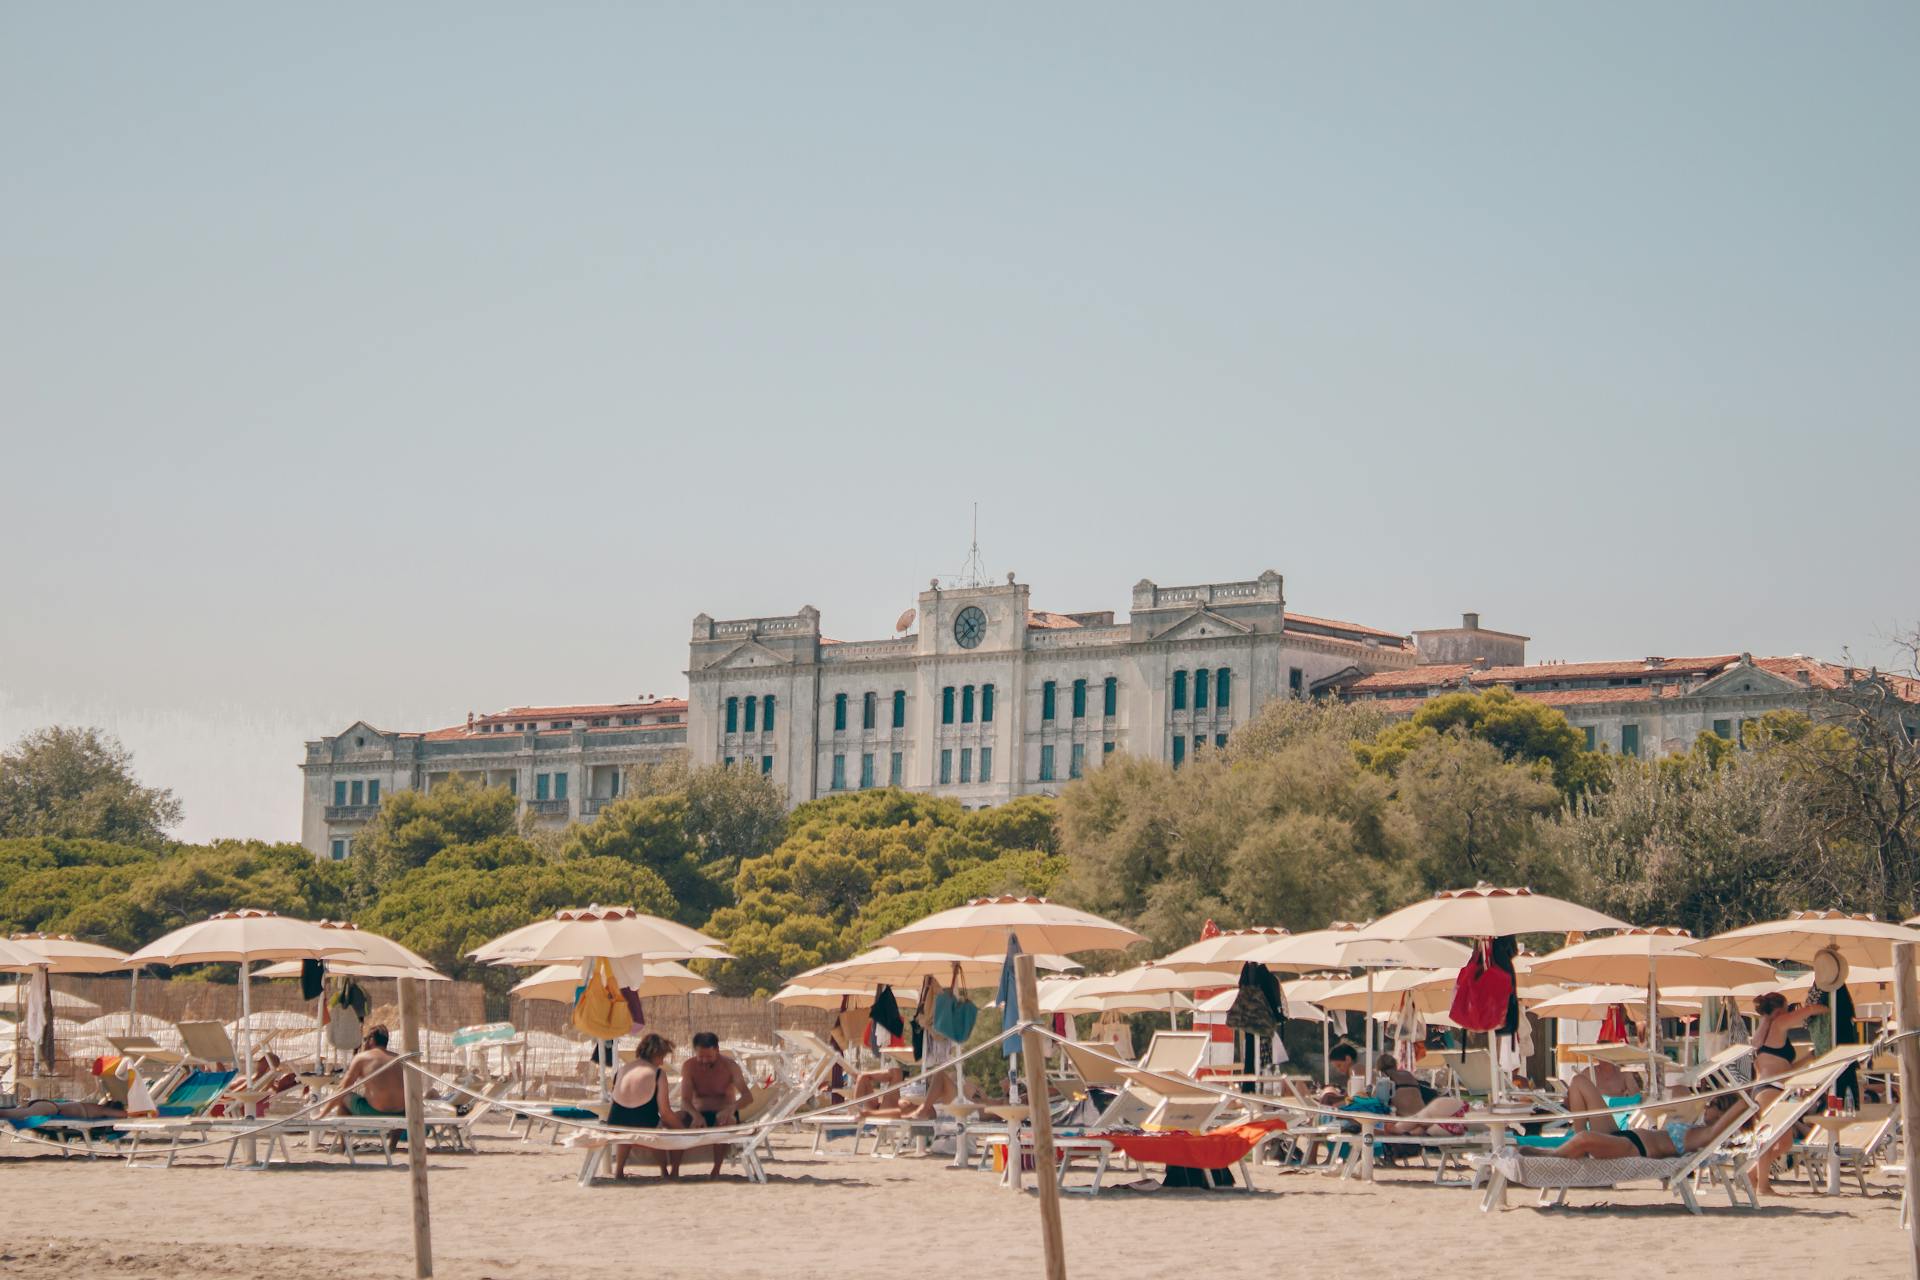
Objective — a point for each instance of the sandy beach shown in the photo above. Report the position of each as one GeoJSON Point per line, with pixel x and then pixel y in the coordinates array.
{"type": "Point", "coordinates": [516, 1211]}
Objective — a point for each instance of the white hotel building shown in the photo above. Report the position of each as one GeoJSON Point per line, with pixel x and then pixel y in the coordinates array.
{"type": "Point", "coordinates": [990, 699]}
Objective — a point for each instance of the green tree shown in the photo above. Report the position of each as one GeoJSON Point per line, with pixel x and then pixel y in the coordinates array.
{"type": "Point", "coordinates": [651, 831]}
{"type": "Point", "coordinates": [413, 826]}
{"type": "Point", "coordinates": [1473, 815]}
{"type": "Point", "coordinates": [79, 783]}
{"type": "Point", "coordinates": [1522, 729]}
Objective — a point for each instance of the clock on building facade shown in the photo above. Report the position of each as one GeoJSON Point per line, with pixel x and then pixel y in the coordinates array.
{"type": "Point", "coordinates": [969, 626]}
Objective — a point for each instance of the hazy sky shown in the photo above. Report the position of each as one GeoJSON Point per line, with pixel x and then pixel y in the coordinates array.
{"type": "Point", "coordinates": [392, 361]}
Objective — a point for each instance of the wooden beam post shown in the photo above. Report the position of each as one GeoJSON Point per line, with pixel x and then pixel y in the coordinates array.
{"type": "Point", "coordinates": [1906, 1013]}
{"type": "Point", "coordinates": [1033, 1056]}
{"type": "Point", "coordinates": [416, 1129]}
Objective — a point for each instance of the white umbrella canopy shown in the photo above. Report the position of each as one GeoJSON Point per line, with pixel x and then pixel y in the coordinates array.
{"type": "Point", "coordinates": [1860, 939]}
{"type": "Point", "coordinates": [558, 982]}
{"type": "Point", "coordinates": [1343, 945]}
{"type": "Point", "coordinates": [348, 969]}
{"type": "Point", "coordinates": [593, 932]}
{"type": "Point", "coordinates": [14, 957]}
{"type": "Point", "coordinates": [1586, 1004]}
{"type": "Point", "coordinates": [1867, 984]}
{"type": "Point", "coordinates": [1154, 979]}
{"type": "Point", "coordinates": [982, 927]}
{"type": "Point", "coordinates": [1353, 996]}
{"type": "Point", "coordinates": [234, 937]}
{"type": "Point", "coordinates": [1488, 911]}
{"type": "Point", "coordinates": [1631, 956]}
{"type": "Point", "coordinates": [275, 1020]}
{"type": "Point", "coordinates": [1061, 994]}
{"type": "Point", "coordinates": [64, 953]}
{"type": "Point", "coordinates": [1222, 1002]}
{"type": "Point", "coordinates": [1222, 949]}
{"type": "Point", "coordinates": [893, 967]}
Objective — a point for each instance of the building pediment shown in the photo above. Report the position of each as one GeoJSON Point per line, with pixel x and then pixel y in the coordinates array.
{"type": "Point", "coordinates": [747, 655]}
{"type": "Point", "coordinates": [1203, 624]}
{"type": "Point", "coordinates": [1743, 679]}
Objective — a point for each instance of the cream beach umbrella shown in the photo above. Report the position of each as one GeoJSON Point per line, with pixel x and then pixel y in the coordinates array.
{"type": "Point", "coordinates": [1297, 1010]}
{"type": "Point", "coordinates": [1858, 939]}
{"type": "Point", "coordinates": [1223, 950]}
{"type": "Point", "coordinates": [1655, 958]}
{"type": "Point", "coordinates": [1360, 995]}
{"type": "Point", "coordinates": [982, 927]}
{"type": "Point", "coordinates": [64, 953]}
{"type": "Point", "coordinates": [1588, 1004]}
{"type": "Point", "coordinates": [242, 937]}
{"type": "Point", "coordinates": [890, 966]}
{"type": "Point", "coordinates": [1061, 994]}
{"type": "Point", "coordinates": [17, 959]}
{"type": "Point", "coordinates": [1488, 911]}
{"type": "Point", "coordinates": [1152, 980]}
{"type": "Point", "coordinates": [558, 982]}
{"type": "Point", "coordinates": [1342, 946]}
{"type": "Point", "coordinates": [596, 932]}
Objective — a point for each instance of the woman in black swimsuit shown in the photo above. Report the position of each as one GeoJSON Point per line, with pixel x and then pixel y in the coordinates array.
{"type": "Point", "coordinates": [1773, 1055]}
{"type": "Point", "coordinates": [640, 1099]}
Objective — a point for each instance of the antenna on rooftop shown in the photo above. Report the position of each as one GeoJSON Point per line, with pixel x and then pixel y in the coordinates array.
{"type": "Point", "coordinates": [974, 572]}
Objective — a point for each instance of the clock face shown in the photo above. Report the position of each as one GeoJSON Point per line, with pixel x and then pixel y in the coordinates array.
{"type": "Point", "coordinates": [970, 626]}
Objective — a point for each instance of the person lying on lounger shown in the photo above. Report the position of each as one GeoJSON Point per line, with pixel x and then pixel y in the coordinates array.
{"type": "Point", "coordinates": [1598, 1088]}
{"type": "Point", "coordinates": [107, 1110]}
{"type": "Point", "coordinates": [1675, 1138]}
{"type": "Point", "coordinates": [366, 1090]}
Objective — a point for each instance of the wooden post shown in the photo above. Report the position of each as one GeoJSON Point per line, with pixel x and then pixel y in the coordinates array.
{"type": "Point", "coordinates": [1033, 1055]}
{"type": "Point", "coordinates": [416, 1128]}
{"type": "Point", "coordinates": [1906, 1013]}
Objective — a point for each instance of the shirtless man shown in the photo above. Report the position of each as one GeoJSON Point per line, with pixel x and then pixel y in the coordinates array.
{"type": "Point", "coordinates": [384, 1094]}
{"type": "Point", "coordinates": [713, 1088]}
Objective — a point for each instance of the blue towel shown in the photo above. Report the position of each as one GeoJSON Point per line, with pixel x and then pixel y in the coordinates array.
{"type": "Point", "coordinates": [1008, 997]}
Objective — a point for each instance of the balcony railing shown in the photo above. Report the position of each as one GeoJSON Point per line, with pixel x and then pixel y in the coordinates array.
{"type": "Point", "coordinates": [352, 812]}
{"type": "Point", "coordinates": [548, 808]}
{"type": "Point", "coordinates": [594, 804]}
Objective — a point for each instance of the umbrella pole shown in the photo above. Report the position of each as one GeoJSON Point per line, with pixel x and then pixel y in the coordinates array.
{"type": "Point", "coordinates": [1326, 1048]}
{"type": "Point", "coordinates": [1372, 1053]}
{"type": "Point", "coordinates": [1656, 1078]}
{"type": "Point", "coordinates": [133, 999]}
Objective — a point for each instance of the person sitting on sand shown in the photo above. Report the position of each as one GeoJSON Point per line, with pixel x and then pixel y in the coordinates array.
{"type": "Point", "coordinates": [639, 1101]}
{"type": "Point", "coordinates": [366, 1089]}
{"type": "Point", "coordinates": [713, 1089]}
{"type": "Point", "coordinates": [1674, 1138]}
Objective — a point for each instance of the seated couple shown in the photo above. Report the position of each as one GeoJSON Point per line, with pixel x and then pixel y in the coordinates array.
{"type": "Point", "coordinates": [712, 1086]}
{"type": "Point", "coordinates": [1601, 1138]}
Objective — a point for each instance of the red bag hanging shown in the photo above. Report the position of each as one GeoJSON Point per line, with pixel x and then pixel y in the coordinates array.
{"type": "Point", "coordinates": [1613, 1028]}
{"type": "Point", "coordinates": [1480, 993]}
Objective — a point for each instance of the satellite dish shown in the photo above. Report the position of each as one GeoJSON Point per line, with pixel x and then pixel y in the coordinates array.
{"type": "Point", "coordinates": [904, 621]}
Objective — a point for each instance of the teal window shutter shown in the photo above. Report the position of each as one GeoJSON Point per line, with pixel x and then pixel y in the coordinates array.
{"type": "Point", "coordinates": [766, 713]}
{"type": "Point", "coordinates": [866, 769]}
{"type": "Point", "coordinates": [373, 791]}
{"type": "Point", "coordinates": [1046, 700]}
{"type": "Point", "coordinates": [839, 713]}
{"type": "Point", "coordinates": [899, 708]}
{"type": "Point", "coordinates": [543, 783]}
{"type": "Point", "coordinates": [1223, 688]}
{"type": "Point", "coordinates": [1046, 764]}
{"type": "Point", "coordinates": [986, 704]}
{"type": "Point", "coordinates": [966, 764]}
{"type": "Point", "coordinates": [966, 704]}
{"type": "Point", "coordinates": [359, 792]}
{"type": "Point", "coordinates": [1629, 739]}
{"type": "Point", "coordinates": [1179, 691]}
{"type": "Point", "coordinates": [1220, 741]}
{"type": "Point", "coordinates": [1721, 729]}
{"type": "Point", "coordinates": [1110, 697]}
{"type": "Point", "coordinates": [1079, 699]}
{"type": "Point", "coordinates": [869, 709]}
{"type": "Point", "coordinates": [340, 793]}
{"type": "Point", "coordinates": [1179, 751]}
{"type": "Point", "coordinates": [839, 773]}
{"type": "Point", "coordinates": [1077, 762]}
{"type": "Point", "coordinates": [986, 764]}
{"type": "Point", "coordinates": [766, 764]}
{"type": "Point", "coordinates": [753, 705]}
{"type": "Point", "coordinates": [946, 705]}
{"type": "Point", "coordinates": [946, 765]}
{"type": "Point", "coordinates": [894, 769]}
{"type": "Point", "coordinates": [1200, 689]}
{"type": "Point", "coordinates": [733, 715]}
{"type": "Point", "coordinates": [1106, 748]}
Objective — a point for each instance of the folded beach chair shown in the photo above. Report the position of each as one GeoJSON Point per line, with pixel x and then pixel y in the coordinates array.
{"type": "Point", "coordinates": [1161, 1092]}
{"type": "Point", "coordinates": [1725, 1068]}
{"type": "Point", "coordinates": [1858, 1147]}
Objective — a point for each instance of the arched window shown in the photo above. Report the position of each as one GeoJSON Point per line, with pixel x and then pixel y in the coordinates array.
{"type": "Point", "coordinates": [839, 713]}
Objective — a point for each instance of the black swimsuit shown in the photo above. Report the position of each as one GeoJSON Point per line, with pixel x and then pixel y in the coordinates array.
{"type": "Point", "coordinates": [1638, 1144]}
{"type": "Point", "coordinates": [1783, 1052]}
{"type": "Point", "coordinates": [644, 1116]}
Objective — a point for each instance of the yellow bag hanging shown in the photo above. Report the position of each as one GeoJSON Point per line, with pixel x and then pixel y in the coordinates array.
{"type": "Point", "coordinates": [601, 1012]}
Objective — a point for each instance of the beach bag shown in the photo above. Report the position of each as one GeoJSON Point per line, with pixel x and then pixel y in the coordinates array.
{"type": "Point", "coordinates": [953, 1017]}
{"type": "Point", "coordinates": [343, 1028]}
{"type": "Point", "coordinates": [1481, 993]}
{"type": "Point", "coordinates": [601, 1013]}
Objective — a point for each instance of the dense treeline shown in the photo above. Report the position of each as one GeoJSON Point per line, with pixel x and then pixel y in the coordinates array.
{"type": "Point", "coordinates": [1314, 812]}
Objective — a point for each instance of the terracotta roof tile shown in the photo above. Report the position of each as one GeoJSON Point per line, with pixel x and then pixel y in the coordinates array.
{"type": "Point", "coordinates": [1039, 621]}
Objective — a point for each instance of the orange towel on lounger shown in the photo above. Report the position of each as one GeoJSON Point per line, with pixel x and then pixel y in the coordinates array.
{"type": "Point", "coordinates": [1214, 1149]}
